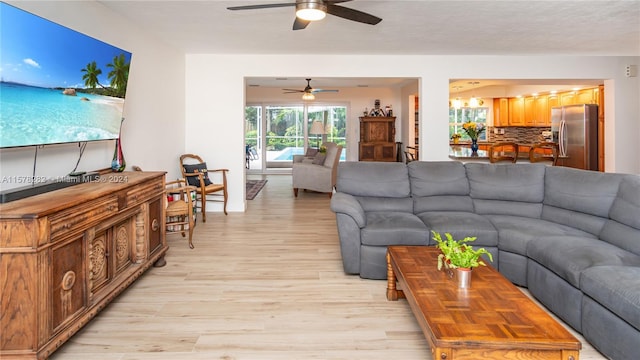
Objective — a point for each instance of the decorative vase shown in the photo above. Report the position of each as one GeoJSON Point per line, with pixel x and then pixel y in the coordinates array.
{"type": "Point", "coordinates": [474, 146]}
{"type": "Point", "coordinates": [118, 163]}
{"type": "Point", "coordinates": [463, 278]}
{"type": "Point", "coordinates": [456, 141]}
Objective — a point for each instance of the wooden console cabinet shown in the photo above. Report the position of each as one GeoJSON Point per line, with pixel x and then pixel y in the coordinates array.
{"type": "Point", "coordinates": [377, 138]}
{"type": "Point", "coordinates": [64, 255]}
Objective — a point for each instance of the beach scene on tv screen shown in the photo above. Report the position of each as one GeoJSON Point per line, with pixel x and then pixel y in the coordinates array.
{"type": "Point", "coordinates": [57, 85]}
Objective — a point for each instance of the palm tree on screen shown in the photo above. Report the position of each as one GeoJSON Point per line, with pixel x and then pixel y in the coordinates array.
{"type": "Point", "coordinates": [119, 74]}
{"type": "Point", "coordinates": [91, 75]}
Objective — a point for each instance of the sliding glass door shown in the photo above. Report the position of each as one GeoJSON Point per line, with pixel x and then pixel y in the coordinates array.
{"type": "Point", "coordinates": [278, 132]}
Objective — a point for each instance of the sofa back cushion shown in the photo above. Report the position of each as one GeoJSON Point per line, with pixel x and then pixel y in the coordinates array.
{"type": "Point", "coordinates": [377, 186]}
{"type": "Point", "coordinates": [384, 180]}
{"type": "Point", "coordinates": [579, 198]}
{"type": "Point", "coordinates": [623, 227]}
{"type": "Point", "coordinates": [439, 186]}
{"type": "Point", "coordinates": [513, 189]}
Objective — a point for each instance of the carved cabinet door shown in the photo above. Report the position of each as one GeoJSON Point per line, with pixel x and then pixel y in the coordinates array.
{"type": "Point", "coordinates": [67, 281]}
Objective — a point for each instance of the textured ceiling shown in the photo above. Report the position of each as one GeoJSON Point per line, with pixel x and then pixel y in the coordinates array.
{"type": "Point", "coordinates": [428, 27]}
{"type": "Point", "coordinates": [477, 27]}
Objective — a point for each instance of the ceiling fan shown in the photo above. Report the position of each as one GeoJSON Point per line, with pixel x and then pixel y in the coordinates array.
{"type": "Point", "coordinates": [308, 91]}
{"type": "Point", "coordinates": [312, 10]}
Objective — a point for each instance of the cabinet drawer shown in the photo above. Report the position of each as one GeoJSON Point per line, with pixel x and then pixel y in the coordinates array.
{"type": "Point", "coordinates": [144, 191]}
{"type": "Point", "coordinates": [80, 216]}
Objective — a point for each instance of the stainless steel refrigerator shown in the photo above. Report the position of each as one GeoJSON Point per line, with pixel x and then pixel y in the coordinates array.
{"type": "Point", "coordinates": [575, 129]}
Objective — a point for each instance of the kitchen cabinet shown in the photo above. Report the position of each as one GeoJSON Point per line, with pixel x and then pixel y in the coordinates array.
{"type": "Point", "coordinates": [377, 138]}
{"type": "Point", "coordinates": [586, 96]}
{"type": "Point", "coordinates": [500, 112]}
{"type": "Point", "coordinates": [516, 111]}
{"type": "Point", "coordinates": [568, 98]}
{"type": "Point", "coordinates": [541, 112]}
{"type": "Point", "coordinates": [529, 116]}
{"type": "Point", "coordinates": [66, 254]}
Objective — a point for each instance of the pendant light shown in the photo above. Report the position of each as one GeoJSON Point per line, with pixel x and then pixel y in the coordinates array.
{"type": "Point", "coordinates": [457, 103]}
{"type": "Point", "coordinates": [474, 101]}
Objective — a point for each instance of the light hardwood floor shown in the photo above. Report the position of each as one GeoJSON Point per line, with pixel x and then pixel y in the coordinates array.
{"type": "Point", "coordinates": [264, 284]}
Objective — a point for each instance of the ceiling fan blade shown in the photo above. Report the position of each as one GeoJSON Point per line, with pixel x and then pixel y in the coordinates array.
{"type": "Point", "coordinates": [299, 24]}
{"type": "Point", "coordinates": [263, 6]}
{"type": "Point", "coordinates": [351, 14]}
{"type": "Point", "coordinates": [321, 90]}
{"type": "Point", "coordinates": [288, 91]}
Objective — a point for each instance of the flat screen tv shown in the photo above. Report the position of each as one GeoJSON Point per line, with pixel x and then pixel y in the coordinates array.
{"type": "Point", "coordinates": [57, 85]}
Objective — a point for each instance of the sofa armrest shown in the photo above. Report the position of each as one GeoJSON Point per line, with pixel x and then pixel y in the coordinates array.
{"type": "Point", "coordinates": [298, 158]}
{"type": "Point", "coordinates": [347, 204]}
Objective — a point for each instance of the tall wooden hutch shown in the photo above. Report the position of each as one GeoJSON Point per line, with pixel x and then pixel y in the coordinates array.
{"type": "Point", "coordinates": [377, 138]}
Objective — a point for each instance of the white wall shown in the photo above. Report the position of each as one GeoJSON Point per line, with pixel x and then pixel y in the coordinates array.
{"type": "Point", "coordinates": [153, 132]}
{"type": "Point", "coordinates": [215, 97]}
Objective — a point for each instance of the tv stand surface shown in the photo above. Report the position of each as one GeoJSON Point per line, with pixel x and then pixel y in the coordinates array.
{"type": "Point", "coordinates": [44, 187]}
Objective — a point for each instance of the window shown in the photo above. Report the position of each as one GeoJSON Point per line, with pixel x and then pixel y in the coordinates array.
{"type": "Point", "coordinates": [457, 117]}
{"type": "Point", "coordinates": [278, 132]}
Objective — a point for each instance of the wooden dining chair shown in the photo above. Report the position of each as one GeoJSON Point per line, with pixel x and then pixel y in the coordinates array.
{"type": "Point", "coordinates": [503, 151]}
{"type": "Point", "coordinates": [545, 151]}
{"type": "Point", "coordinates": [179, 208]}
{"type": "Point", "coordinates": [195, 171]}
{"type": "Point", "coordinates": [410, 154]}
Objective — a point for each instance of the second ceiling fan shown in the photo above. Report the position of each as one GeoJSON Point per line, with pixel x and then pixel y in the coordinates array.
{"type": "Point", "coordinates": [308, 92]}
{"type": "Point", "coordinates": [312, 10]}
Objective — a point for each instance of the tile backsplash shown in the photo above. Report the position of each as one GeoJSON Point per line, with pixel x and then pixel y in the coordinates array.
{"type": "Point", "coordinates": [522, 135]}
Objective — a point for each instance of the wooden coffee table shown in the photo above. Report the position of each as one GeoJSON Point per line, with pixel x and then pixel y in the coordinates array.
{"type": "Point", "coordinates": [491, 320]}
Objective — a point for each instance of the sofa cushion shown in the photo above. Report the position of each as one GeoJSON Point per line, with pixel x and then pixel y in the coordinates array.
{"type": "Point", "coordinates": [511, 190]}
{"type": "Point", "coordinates": [518, 182]}
{"type": "Point", "coordinates": [460, 225]}
{"type": "Point", "coordinates": [371, 203]}
{"type": "Point", "coordinates": [568, 256]}
{"type": "Point", "coordinates": [579, 198]}
{"type": "Point", "coordinates": [514, 232]}
{"type": "Point", "coordinates": [393, 228]}
{"type": "Point", "coordinates": [623, 228]}
{"type": "Point", "coordinates": [318, 159]}
{"type": "Point", "coordinates": [384, 180]}
{"type": "Point", "coordinates": [439, 186]}
{"type": "Point", "coordinates": [438, 178]}
{"type": "Point", "coordinates": [616, 288]}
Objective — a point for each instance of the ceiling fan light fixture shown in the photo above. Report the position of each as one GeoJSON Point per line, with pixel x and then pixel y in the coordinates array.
{"type": "Point", "coordinates": [311, 10]}
{"type": "Point", "coordinates": [308, 96]}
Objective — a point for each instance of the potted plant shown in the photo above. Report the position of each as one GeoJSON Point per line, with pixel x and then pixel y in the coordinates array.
{"type": "Point", "coordinates": [459, 255]}
{"type": "Point", "coordinates": [456, 138]}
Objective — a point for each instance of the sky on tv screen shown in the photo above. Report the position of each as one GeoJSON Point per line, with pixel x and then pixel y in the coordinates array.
{"type": "Point", "coordinates": [39, 59]}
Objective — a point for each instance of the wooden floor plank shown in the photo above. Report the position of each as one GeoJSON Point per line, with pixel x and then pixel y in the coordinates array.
{"type": "Point", "coordinates": [264, 284]}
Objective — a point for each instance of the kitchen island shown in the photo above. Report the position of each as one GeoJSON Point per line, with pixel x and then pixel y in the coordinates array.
{"type": "Point", "coordinates": [463, 153]}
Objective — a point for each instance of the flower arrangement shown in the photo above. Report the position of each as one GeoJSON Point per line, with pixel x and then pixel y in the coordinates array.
{"type": "Point", "coordinates": [457, 253]}
{"type": "Point", "coordinates": [473, 129]}
{"type": "Point", "coordinates": [456, 136]}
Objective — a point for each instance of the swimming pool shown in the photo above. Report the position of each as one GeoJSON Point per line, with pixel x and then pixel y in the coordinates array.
{"type": "Point", "coordinates": [287, 154]}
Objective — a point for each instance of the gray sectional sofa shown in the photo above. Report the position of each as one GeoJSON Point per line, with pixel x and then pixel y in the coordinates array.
{"type": "Point", "coordinates": [571, 236]}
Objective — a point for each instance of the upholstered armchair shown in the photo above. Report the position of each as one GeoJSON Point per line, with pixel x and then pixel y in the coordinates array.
{"type": "Point", "coordinates": [317, 173]}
